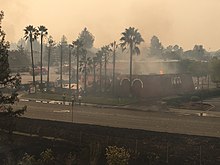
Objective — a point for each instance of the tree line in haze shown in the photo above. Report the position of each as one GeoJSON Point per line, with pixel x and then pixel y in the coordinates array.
{"type": "Point", "coordinates": [89, 60]}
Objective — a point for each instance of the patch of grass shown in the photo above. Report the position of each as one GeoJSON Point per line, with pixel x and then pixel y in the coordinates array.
{"type": "Point", "coordinates": [109, 100]}
{"type": "Point", "coordinates": [44, 96]}
{"type": "Point", "coordinates": [175, 100]}
{"type": "Point", "coordinates": [195, 96]}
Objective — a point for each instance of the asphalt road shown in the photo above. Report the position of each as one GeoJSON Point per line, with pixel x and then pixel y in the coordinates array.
{"type": "Point", "coordinates": [153, 121]}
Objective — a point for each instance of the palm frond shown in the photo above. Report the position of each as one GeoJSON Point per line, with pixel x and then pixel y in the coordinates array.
{"type": "Point", "coordinates": [131, 36]}
{"type": "Point", "coordinates": [137, 50]}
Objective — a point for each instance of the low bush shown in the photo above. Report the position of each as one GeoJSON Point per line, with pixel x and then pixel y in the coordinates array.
{"type": "Point", "coordinates": [175, 100]}
{"type": "Point", "coordinates": [117, 156]}
{"type": "Point", "coordinates": [195, 98]}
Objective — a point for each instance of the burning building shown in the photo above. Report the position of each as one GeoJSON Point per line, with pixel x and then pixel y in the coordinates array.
{"type": "Point", "coordinates": [160, 85]}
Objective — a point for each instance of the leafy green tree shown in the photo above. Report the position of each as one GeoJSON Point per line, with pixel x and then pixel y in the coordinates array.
{"type": "Point", "coordinates": [50, 45]}
{"type": "Point", "coordinates": [117, 156]}
{"type": "Point", "coordinates": [65, 49]}
{"type": "Point", "coordinates": [85, 67]}
{"type": "Point", "coordinates": [9, 84]}
{"type": "Point", "coordinates": [43, 33]}
{"type": "Point", "coordinates": [95, 62]}
{"type": "Point", "coordinates": [31, 33]}
{"type": "Point", "coordinates": [78, 45]}
{"type": "Point", "coordinates": [19, 59]}
{"type": "Point", "coordinates": [198, 51]}
{"type": "Point", "coordinates": [173, 52]}
{"type": "Point", "coordinates": [86, 38]}
{"type": "Point", "coordinates": [131, 38]}
{"type": "Point", "coordinates": [156, 47]}
{"type": "Point", "coordinates": [214, 68]}
{"type": "Point", "coordinates": [21, 42]}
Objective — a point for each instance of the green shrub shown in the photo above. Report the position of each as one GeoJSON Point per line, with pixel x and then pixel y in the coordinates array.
{"type": "Point", "coordinates": [195, 98]}
{"type": "Point", "coordinates": [175, 100]}
{"type": "Point", "coordinates": [117, 156]}
{"type": "Point", "coordinates": [47, 157]}
{"type": "Point", "coordinates": [27, 160]}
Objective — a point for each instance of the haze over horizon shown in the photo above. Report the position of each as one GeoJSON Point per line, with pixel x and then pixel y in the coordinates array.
{"type": "Point", "coordinates": [185, 23]}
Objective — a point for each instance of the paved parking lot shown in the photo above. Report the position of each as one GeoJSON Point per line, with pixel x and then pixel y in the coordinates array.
{"type": "Point", "coordinates": [27, 78]}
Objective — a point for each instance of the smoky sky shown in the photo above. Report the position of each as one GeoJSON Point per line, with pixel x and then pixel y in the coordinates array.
{"type": "Point", "coordinates": [182, 22]}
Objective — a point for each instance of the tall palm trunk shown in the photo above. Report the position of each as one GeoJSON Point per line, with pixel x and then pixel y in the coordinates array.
{"type": "Point", "coordinates": [85, 77]}
{"type": "Point", "coordinates": [32, 61]}
{"type": "Point", "coordinates": [105, 71]}
{"type": "Point", "coordinates": [69, 69]}
{"type": "Point", "coordinates": [48, 68]}
{"type": "Point", "coordinates": [61, 66]}
{"type": "Point", "coordinates": [41, 60]}
{"type": "Point", "coordinates": [100, 76]}
{"type": "Point", "coordinates": [113, 70]}
{"type": "Point", "coordinates": [131, 56]}
{"type": "Point", "coordinates": [94, 77]}
{"type": "Point", "coordinates": [77, 71]}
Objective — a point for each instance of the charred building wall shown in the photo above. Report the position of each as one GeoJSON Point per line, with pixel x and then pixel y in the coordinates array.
{"type": "Point", "coordinates": [147, 86]}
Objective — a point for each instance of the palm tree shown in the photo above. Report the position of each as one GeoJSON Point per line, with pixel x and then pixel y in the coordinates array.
{"type": "Point", "coordinates": [131, 38]}
{"type": "Point", "coordinates": [61, 65]}
{"type": "Point", "coordinates": [99, 56]}
{"type": "Point", "coordinates": [85, 66]}
{"type": "Point", "coordinates": [43, 33]}
{"type": "Point", "coordinates": [70, 53]}
{"type": "Point", "coordinates": [31, 33]}
{"type": "Point", "coordinates": [63, 46]}
{"type": "Point", "coordinates": [51, 44]}
{"type": "Point", "coordinates": [113, 47]}
{"type": "Point", "coordinates": [105, 51]}
{"type": "Point", "coordinates": [78, 45]}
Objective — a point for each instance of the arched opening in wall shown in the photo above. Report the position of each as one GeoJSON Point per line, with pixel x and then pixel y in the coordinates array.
{"type": "Point", "coordinates": [137, 87]}
{"type": "Point", "coordinates": [124, 87]}
{"type": "Point", "coordinates": [176, 81]}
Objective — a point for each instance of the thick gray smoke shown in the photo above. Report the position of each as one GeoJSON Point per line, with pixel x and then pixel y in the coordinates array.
{"type": "Point", "coordinates": [15, 13]}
